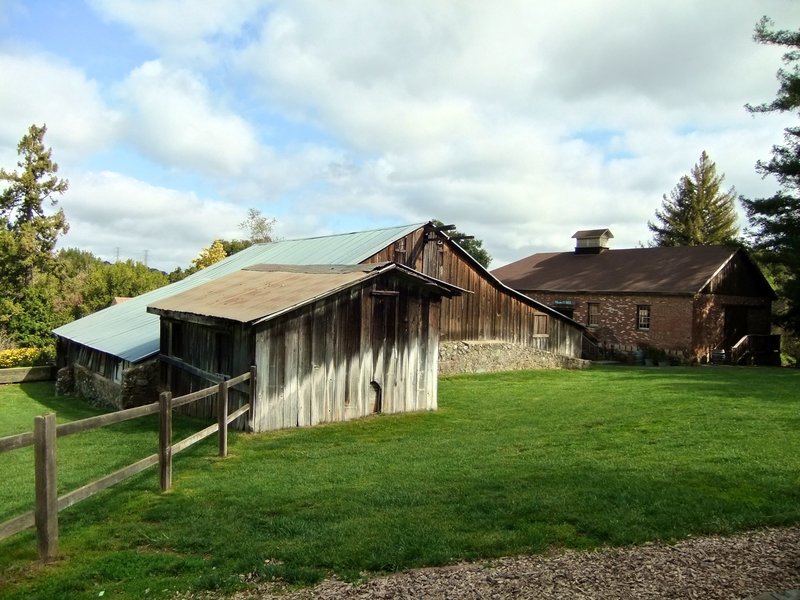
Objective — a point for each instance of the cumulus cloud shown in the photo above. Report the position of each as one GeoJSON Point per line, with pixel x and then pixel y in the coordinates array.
{"type": "Point", "coordinates": [520, 123]}
{"type": "Point", "coordinates": [172, 117]}
{"type": "Point", "coordinates": [183, 29]}
{"type": "Point", "coordinates": [525, 123]}
{"type": "Point", "coordinates": [42, 89]}
{"type": "Point", "coordinates": [111, 212]}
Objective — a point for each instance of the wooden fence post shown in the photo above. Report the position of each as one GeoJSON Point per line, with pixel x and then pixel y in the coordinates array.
{"type": "Point", "coordinates": [46, 517]}
{"type": "Point", "coordinates": [165, 440]}
{"type": "Point", "coordinates": [222, 417]}
{"type": "Point", "coordinates": [253, 389]}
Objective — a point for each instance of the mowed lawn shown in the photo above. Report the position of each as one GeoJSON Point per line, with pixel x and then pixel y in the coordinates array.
{"type": "Point", "coordinates": [510, 463]}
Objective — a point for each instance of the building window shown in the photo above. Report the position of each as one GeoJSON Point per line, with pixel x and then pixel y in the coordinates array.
{"type": "Point", "coordinates": [643, 316]}
{"type": "Point", "coordinates": [593, 314]}
{"type": "Point", "coordinates": [540, 323]}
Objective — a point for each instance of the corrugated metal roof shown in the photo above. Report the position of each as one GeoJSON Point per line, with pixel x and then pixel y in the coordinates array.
{"type": "Point", "coordinates": [128, 331]}
{"type": "Point", "coordinates": [262, 292]}
{"type": "Point", "coordinates": [249, 295]}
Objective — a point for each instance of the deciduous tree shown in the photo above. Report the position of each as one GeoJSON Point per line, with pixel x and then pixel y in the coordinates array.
{"type": "Point", "coordinates": [258, 227]}
{"type": "Point", "coordinates": [697, 212]}
{"type": "Point", "coordinates": [208, 256]}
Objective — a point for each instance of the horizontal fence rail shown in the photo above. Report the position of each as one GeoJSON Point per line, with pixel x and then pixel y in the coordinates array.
{"type": "Point", "coordinates": [43, 438]}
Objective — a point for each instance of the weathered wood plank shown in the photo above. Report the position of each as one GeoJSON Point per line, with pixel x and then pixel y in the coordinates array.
{"type": "Point", "coordinates": [122, 474]}
{"type": "Point", "coordinates": [222, 418]}
{"type": "Point", "coordinates": [199, 394]}
{"type": "Point", "coordinates": [165, 441]}
{"type": "Point", "coordinates": [193, 370]}
{"type": "Point", "coordinates": [19, 440]}
{"type": "Point", "coordinates": [238, 379]}
{"type": "Point", "coordinates": [301, 324]}
{"type": "Point", "coordinates": [253, 396]}
{"type": "Point", "coordinates": [238, 413]}
{"type": "Point", "coordinates": [17, 524]}
{"type": "Point", "coordinates": [44, 448]}
{"type": "Point", "coordinates": [106, 419]}
{"type": "Point", "coordinates": [194, 438]}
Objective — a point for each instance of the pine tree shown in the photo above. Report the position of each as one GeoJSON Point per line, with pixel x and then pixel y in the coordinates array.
{"type": "Point", "coordinates": [27, 234]}
{"type": "Point", "coordinates": [775, 221]}
{"type": "Point", "coordinates": [28, 237]}
{"type": "Point", "coordinates": [697, 212]}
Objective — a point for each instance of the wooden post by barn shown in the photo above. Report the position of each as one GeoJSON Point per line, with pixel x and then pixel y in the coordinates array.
{"type": "Point", "coordinates": [253, 390]}
{"type": "Point", "coordinates": [222, 418]}
{"type": "Point", "coordinates": [165, 440]}
{"type": "Point", "coordinates": [46, 518]}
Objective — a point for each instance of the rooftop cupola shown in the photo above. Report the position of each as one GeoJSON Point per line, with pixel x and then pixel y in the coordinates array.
{"type": "Point", "coordinates": [592, 241]}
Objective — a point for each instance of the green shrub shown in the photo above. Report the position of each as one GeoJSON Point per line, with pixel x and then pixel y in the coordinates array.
{"type": "Point", "coordinates": [26, 357]}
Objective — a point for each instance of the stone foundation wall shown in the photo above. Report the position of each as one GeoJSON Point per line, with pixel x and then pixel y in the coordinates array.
{"type": "Point", "coordinates": [487, 356]}
{"type": "Point", "coordinates": [140, 385]}
{"type": "Point", "coordinates": [94, 388]}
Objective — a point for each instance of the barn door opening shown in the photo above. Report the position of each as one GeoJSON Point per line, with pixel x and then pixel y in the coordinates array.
{"type": "Point", "coordinates": [735, 325]}
{"type": "Point", "coordinates": [376, 399]}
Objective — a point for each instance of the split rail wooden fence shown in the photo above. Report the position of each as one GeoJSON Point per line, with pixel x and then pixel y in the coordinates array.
{"type": "Point", "coordinates": [43, 438]}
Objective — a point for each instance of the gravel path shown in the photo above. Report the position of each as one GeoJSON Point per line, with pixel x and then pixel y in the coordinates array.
{"type": "Point", "coordinates": [716, 567]}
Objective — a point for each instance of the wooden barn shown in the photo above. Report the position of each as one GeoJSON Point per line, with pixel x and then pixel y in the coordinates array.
{"type": "Point", "coordinates": [330, 343]}
{"type": "Point", "coordinates": [112, 352]}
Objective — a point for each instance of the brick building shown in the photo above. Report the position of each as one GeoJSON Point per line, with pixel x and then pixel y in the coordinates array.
{"type": "Point", "coordinates": [696, 302]}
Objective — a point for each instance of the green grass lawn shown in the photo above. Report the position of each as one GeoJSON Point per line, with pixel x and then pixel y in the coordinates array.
{"type": "Point", "coordinates": [510, 463]}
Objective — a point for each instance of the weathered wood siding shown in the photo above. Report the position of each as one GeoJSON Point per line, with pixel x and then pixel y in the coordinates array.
{"type": "Point", "coordinates": [491, 311]}
{"type": "Point", "coordinates": [370, 349]}
{"type": "Point", "coordinates": [739, 277]}
{"type": "Point", "coordinates": [220, 350]}
{"type": "Point", "coordinates": [105, 365]}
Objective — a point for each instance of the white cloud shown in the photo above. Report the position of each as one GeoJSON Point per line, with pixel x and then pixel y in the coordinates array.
{"type": "Point", "coordinates": [42, 89]}
{"type": "Point", "coordinates": [172, 117]}
{"type": "Point", "coordinates": [525, 122]}
{"type": "Point", "coordinates": [183, 29]}
{"type": "Point", "coordinates": [520, 122]}
{"type": "Point", "coordinates": [109, 211]}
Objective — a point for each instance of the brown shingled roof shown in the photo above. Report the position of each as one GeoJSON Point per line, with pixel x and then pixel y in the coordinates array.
{"type": "Point", "coordinates": [678, 270]}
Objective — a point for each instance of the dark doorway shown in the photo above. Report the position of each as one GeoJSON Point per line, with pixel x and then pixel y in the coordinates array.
{"type": "Point", "coordinates": [735, 325]}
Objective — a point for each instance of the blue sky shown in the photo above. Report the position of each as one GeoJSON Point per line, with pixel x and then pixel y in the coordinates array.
{"type": "Point", "coordinates": [521, 122]}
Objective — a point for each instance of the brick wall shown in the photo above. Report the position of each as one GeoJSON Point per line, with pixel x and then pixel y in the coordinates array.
{"type": "Point", "coordinates": [693, 326]}
{"type": "Point", "coordinates": [670, 318]}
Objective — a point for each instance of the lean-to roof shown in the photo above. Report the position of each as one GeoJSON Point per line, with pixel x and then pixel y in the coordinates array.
{"type": "Point", "coordinates": [263, 292]}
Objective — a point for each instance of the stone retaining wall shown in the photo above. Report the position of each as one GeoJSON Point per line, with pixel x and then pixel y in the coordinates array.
{"type": "Point", "coordinates": [91, 386]}
{"type": "Point", "coordinates": [139, 385]}
{"type": "Point", "coordinates": [26, 374]}
{"type": "Point", "coordinates": [487, 356]}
